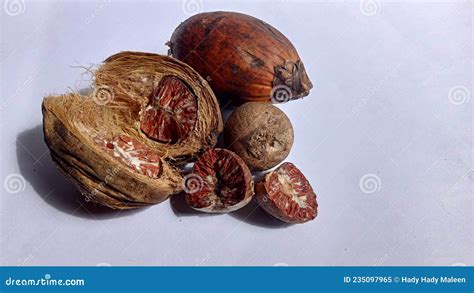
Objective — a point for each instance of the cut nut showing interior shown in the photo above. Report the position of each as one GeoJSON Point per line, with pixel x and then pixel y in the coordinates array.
{"type": "Point", "coordinates": [219, 182]}
{"type": "Point", "coordinates": [287, 195]}
{"type": "Point", "coordinates": [165, 101]}
{"type": "Point", "coordinates": [119, 144]}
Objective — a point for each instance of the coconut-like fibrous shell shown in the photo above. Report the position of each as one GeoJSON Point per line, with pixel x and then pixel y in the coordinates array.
{"type": "Point", "coordinates": [96, 140]}
{"type": "Point", "coordinates": [133, 75]}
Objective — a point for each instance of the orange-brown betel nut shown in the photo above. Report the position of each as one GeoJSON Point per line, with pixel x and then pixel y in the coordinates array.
{"type": "Point", "coordinates": [243, 57]}
{"type": "Point", "coordinates": [260, 133]}
{"type": "Point", "coordinates": [120, 144]}
{"type": "Point", "coordinates": [219, 182]}
{"type": "Point", "coordinates": [287, 195]}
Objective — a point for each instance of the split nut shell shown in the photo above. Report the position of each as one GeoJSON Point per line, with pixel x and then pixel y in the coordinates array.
{"type": "Point", "coordinates": [219, 182]}
{"type": "Point", "coordinates": [119, 145]}
{"type": "Point", "coordinates": [287, 195]}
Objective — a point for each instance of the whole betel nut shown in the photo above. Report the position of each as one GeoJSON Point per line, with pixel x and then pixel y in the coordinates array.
{"type": "Point", "coordinates": [243, 57]}
{"type": "Point", "coordinates": [219, 182]}
{"type": "Point", "coordinates": [287, 195]}
{"type": "Point", "coordinates": [260, 133]}
{"type": "Point", "coordinates": [118, 145]}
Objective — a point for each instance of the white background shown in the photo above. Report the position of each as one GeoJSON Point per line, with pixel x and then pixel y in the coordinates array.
{"type": "Point", "coordinates": [384, 137]}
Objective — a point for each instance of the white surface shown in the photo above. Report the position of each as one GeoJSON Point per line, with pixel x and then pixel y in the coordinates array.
{"type": "Point", "coordinates": [380, 105]}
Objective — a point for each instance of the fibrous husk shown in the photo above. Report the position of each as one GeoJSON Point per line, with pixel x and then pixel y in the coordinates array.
{"type": "Point", "coordinates": [133, 76]}
{"type": "Point", "coordinates": [95, 140]}
{"type": "Point", "coordinates": [71, 123]}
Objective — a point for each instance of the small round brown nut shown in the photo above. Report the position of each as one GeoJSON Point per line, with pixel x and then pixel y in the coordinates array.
{"type": "Point", "coordinates": [260, 133]}
{"type": "Point", "coordinates": [219, 182]}
{"type": "Point", "coordinates": [287, 195]}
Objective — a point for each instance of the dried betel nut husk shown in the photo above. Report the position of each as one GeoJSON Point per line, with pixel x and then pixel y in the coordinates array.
{"type": "Point", "coordinates": [287, 195]}
{"type": "Point", "coordinates": [243, 57]}
{"type": "Point", "coordinates": [219, 182]}
{"type": "Point", "coordinates": [101, 143]}
{"type": "Point", "coordinates": [165, 100]}
{"type": "Point", "coordinates": [111, 166]}
{"type": "Point", "coordinates": [260, 133]}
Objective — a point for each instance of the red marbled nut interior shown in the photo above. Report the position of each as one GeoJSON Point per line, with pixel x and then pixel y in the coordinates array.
{"type": "Point", "coordinates": [132, 153]}
{"type": "Point", "coordinates": [171, 112]}
{"type": "Point", "coordinates": [302, 205]}
{"type": "Point", "coordinates": [222, 180]}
